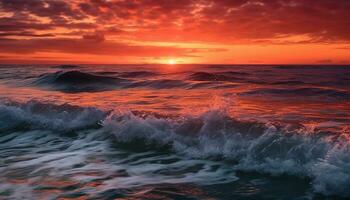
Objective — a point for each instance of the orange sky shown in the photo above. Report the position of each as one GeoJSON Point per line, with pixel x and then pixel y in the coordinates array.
{"type": "Point", "coordinates": [184, 31]}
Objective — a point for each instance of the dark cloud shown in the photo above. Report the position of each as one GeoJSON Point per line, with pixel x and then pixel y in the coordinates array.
{"type": "Point", "coordinates": [11, 24]}
{"type": "Point", "coordinates": [54, 9]}
{"type": "Point", "coordinates": [206, 20]}
{"type": "Point", "coordinates": [96, 37]}
{"type": "Point", "coordinates": [25, 34]}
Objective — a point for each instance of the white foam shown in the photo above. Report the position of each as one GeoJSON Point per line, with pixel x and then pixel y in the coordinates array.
{"type": "Point", "coordinates": [37, 115]}
{"type": "Point", "coordinates": [325, 158]}
{"type": "Point", "coordinates": [322, 157]}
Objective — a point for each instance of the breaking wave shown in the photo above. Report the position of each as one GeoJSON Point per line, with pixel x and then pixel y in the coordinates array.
{"type": "Point", "coordinates": [322, 157]}
{"type": "Point", "coordinates": [34, 115]}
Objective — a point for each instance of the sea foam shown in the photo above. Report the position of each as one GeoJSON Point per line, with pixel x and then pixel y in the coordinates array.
{"type": "Point", "coordinates": [322, 157]}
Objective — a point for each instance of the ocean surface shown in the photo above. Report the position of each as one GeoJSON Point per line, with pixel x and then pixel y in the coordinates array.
{"type": "Point", "coordinates": [211, 132]}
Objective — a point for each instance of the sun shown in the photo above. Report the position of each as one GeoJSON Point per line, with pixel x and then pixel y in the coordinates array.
{"type": "Point", "coordinates": [171, 62]}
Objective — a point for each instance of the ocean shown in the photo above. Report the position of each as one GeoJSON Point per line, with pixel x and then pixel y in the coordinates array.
{"type": "Point", "coordinates": [207, 132]}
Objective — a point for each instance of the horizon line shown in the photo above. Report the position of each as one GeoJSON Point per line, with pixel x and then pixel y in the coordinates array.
{"type": "Point", "coordinates": [244, 64]}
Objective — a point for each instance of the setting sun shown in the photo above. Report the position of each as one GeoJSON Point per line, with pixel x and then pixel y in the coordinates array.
{"type": "Point", "coordinates": [171, 62]}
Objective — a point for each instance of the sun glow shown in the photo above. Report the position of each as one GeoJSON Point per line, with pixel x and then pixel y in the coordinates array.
{"type": "Point", "coordinates": [171, 62]}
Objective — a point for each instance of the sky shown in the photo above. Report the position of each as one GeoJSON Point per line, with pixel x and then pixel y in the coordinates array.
{"type": "Point", "coordinates": [175, 31]}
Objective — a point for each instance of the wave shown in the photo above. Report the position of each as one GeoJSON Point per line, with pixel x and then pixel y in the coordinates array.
{"type": "Point", "coordinates": [300, 92]}
{"type": "Point", "coordinates": [76, 81]}
{"type": "Point", "coordinates": [289, 83]}
{"type": "Point", "coordinates": [323, 157]}
{"type": "Point", "coordinates": [313, 67]}
{"type": "Point", "coordinates": [108, 73]}
{"type": "Point", "coordinates": [132, 74]}
{"type": "Point", "coordinates": [234, 73]}
{"type": "Point", "coordinates": [339, 82]}
{"type": "Point", "coordinates": [205, 76]}
{"type": "Point", "coordinates": [137, 74]}
{"type": "Point", "coordinates": [34, 115]}
{"type": "Point", "coordinates": [67, 66]}
{"type": "Point", "coordinates": [159, 84]}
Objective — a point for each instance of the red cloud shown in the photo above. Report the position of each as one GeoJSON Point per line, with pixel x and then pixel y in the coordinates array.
{"type": "Point", "coordinates": [204, 20]}
{"type": "Point", "coordinates": [128, 22]}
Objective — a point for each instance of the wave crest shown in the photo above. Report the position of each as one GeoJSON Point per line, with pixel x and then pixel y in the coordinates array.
{"type": "Point", "coordinates": [322, 157]}
{"type": "Point", "coordinates": [36, 115]}
{"type": "Point", "coordinates": [76, 81]}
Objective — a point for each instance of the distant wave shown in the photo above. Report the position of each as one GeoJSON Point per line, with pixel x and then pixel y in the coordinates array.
{"type": "Point", "coordinates": [108, 73]}
{"type": "Point", "coordinates": [289, 83]}
{"type": "Point", "coordinates": [234, 73]}
{"type": "Point", "coordinates": [159, 84]}
{"type": "Point", "coordinates": [322, 157]}
{"type": "Point", "coordinates": [131, 74]}
{"type": "Point", "coordinates": [300, 92]}
{"type": "Point", "coordinates": [76, 81]}
{"type": "Point", "coordinates": [205, 76]}
{"type": "Point", "coordinates": [76, 77]}
{"type": "Point", "coordinates": [137, 74]}
{"type": "Point", "coordinates": [66, 66]}
{"type": "Point", "coordinates": [314, 67]}
{"type": "Point", "coordinates": [341, 82]}
{"type": "Point", "coordinates": [81, 81]}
